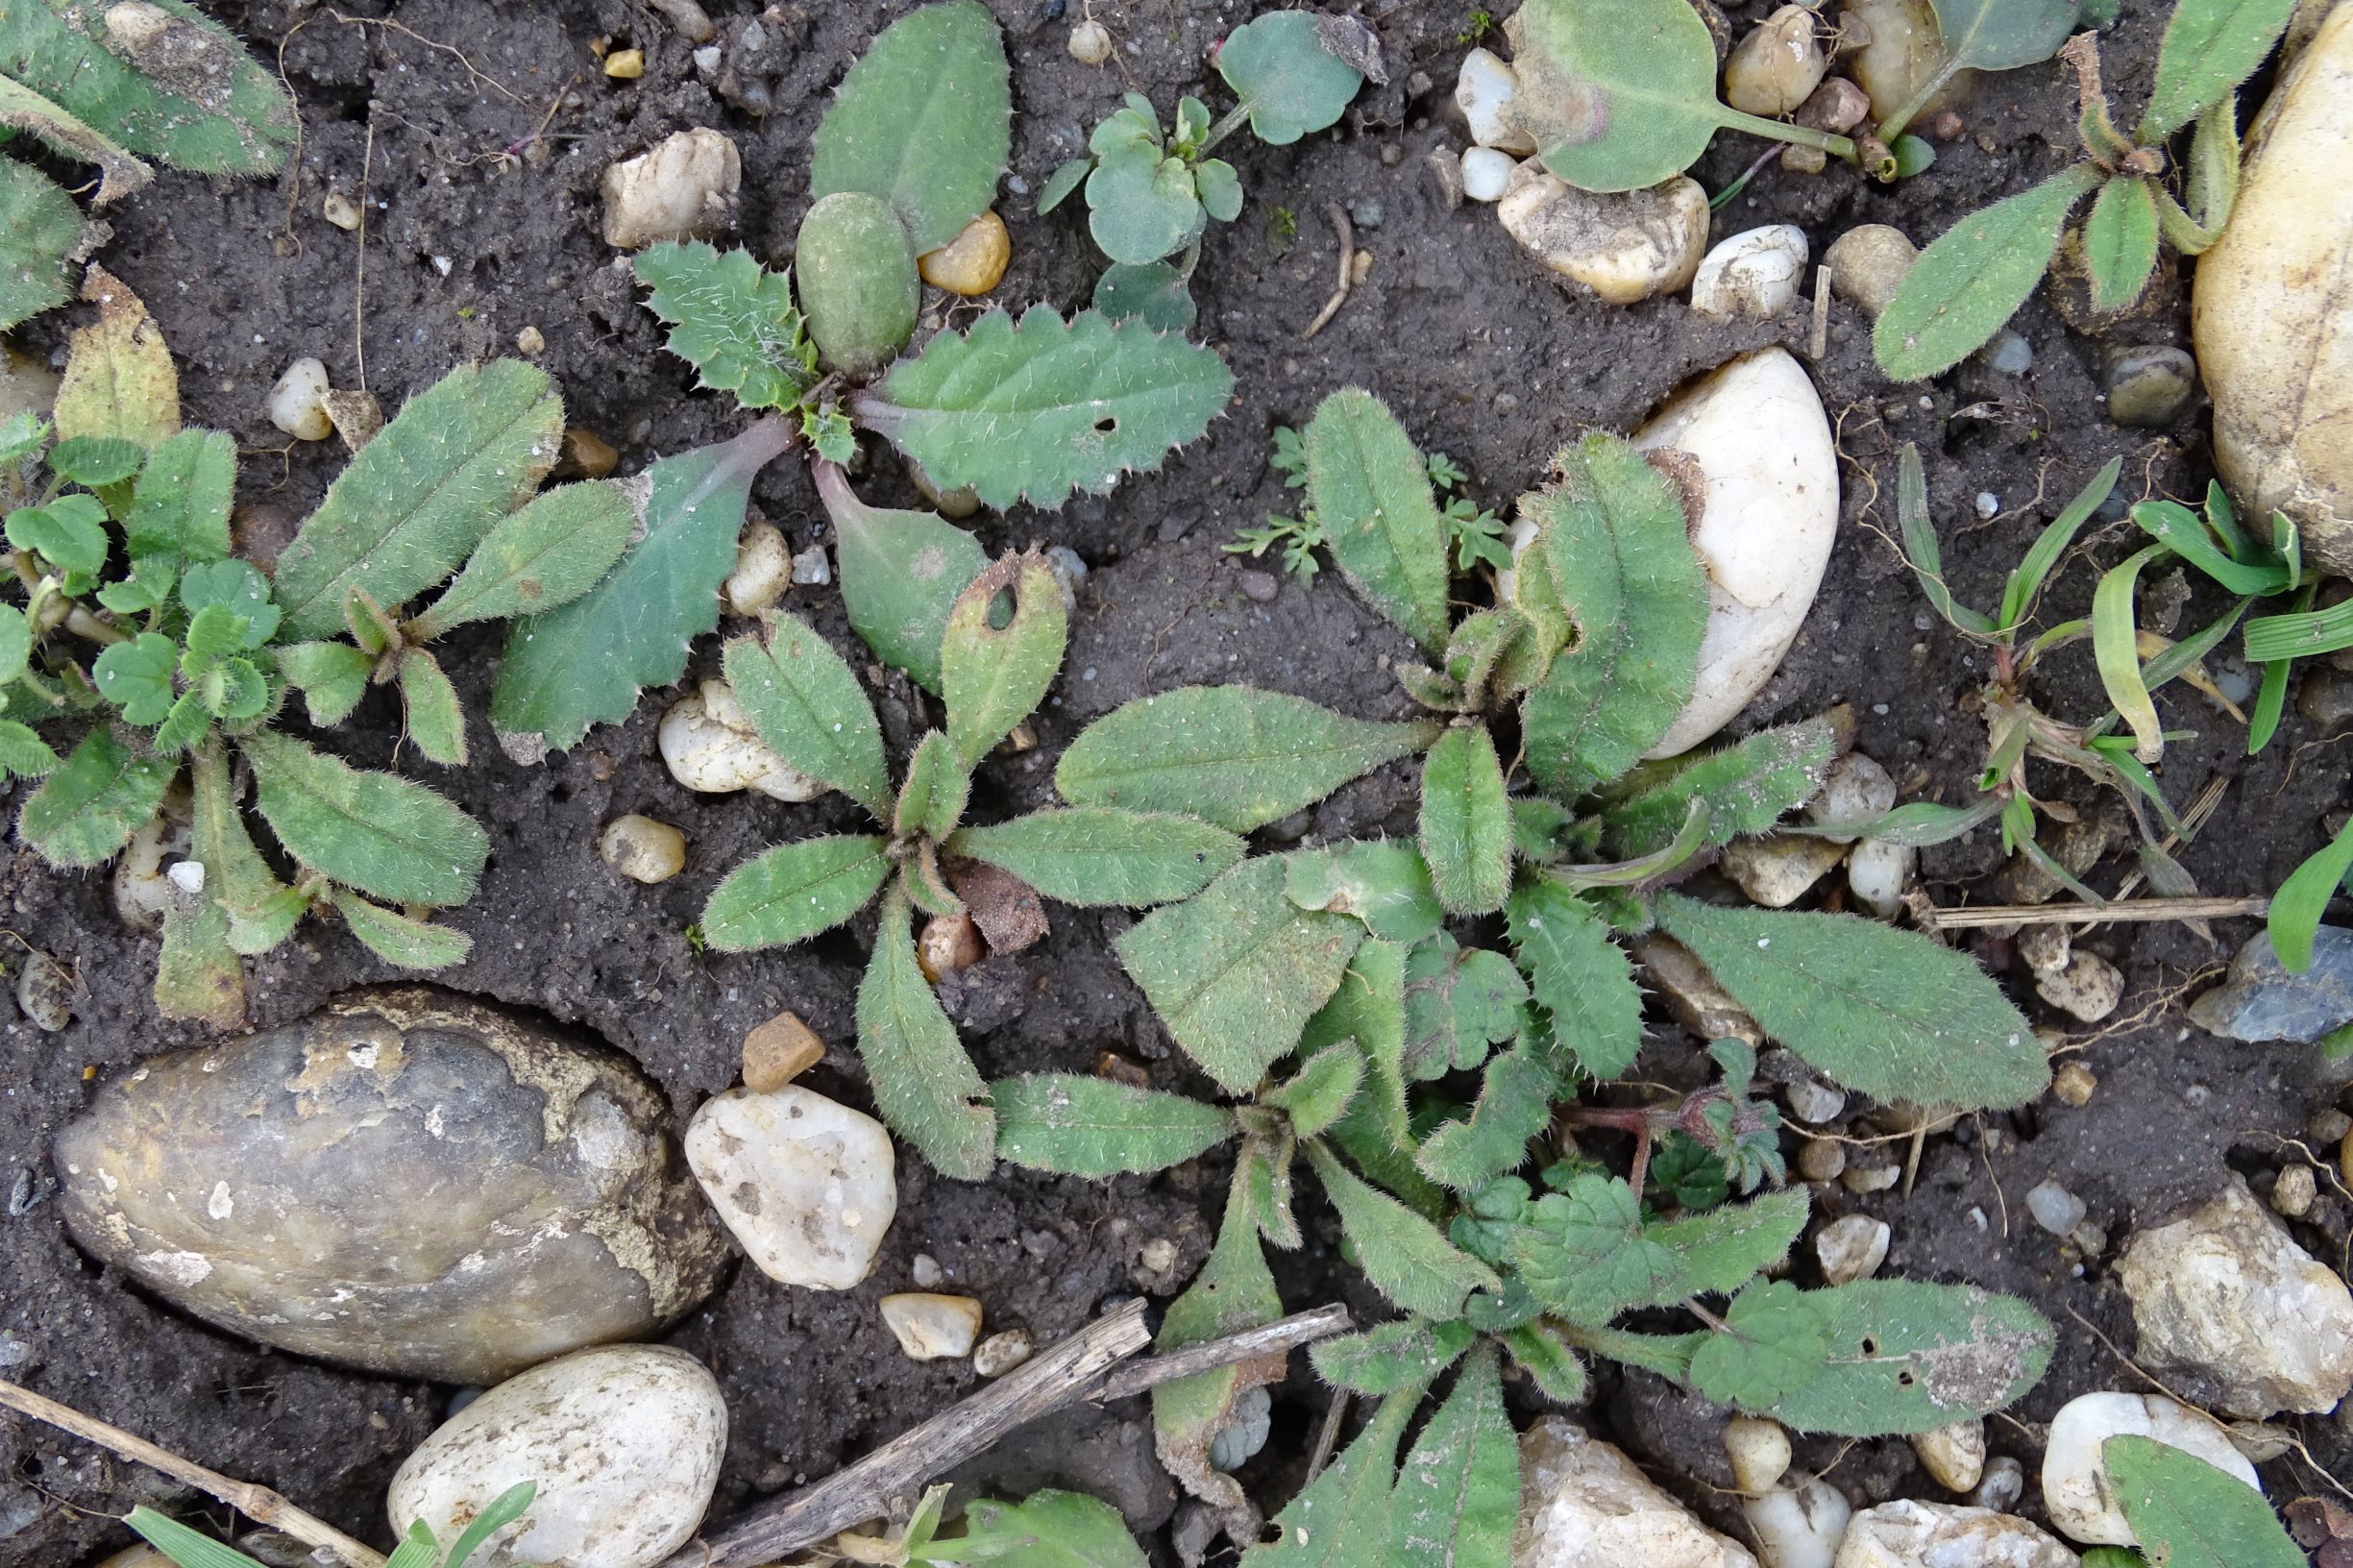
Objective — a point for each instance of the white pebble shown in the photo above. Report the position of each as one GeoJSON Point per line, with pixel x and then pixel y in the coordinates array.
{"type": "Point", "coordinates": [763, 570]}
{"type": "Point", "coordinates": [709, 746]}
{"type": "Point", "coordinates": [932, 1328]}
{"type": "Point", "coordinates": [1000, 1352]}
{"type": "Point", "coordinates": [1877, 872]}
{"type": "Point", "coordinates": [1485, 172]}
{"type": "Point", "coordinates": [1800, 1525]}
{"type": "Point", "coordinates": [2054, 1208]}
{"type": "Point", "coordinates": [1483, 92]}
{"type": "Point", "coordinates": [807, 1185]}
{"type": "Point", "coordinates": [1752, 274]}
{"type": "Point", "coordinates": [643, 850]}
{"type": "Point", "coordinates": [2075, 1485]}
{"type": "Point", "coordinates": [1989, 505]}
{"type": "Point", "coordinates": [681, 189]}
{"type": "Point", "coordinates": [1090, 43]}
{"type": "Point", "coordinates": [1954, 1454]}
{"type": "Point", "coordinates": [813, 568]}
{"type": "Point", "coordinates": [1851, 1248]}
{"type": "Point", "coordinates": [295, 407]}
{"type": "Point", "coordinates": [1758, 1450]}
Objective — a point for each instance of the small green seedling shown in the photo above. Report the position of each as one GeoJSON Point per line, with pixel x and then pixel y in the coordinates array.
{"type": "Point", "coordinates": [1475, 535]}
{"type": "Point", "coordinates": [116, 86]}
{"type": "Point", "coordinates": [1151, 189]}
{"type": "Point", "coordinates": [419, 1550]}
{"type": "Point", "coordinates": [1333, 993]}
{"type": "Point", "coordinates": [1046, 1529]}
{"type": "Point", "coordinates": [1973, 279]}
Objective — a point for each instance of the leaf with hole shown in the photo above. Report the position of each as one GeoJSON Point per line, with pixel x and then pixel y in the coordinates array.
{"type": "Point", "coordinates": [992, 677]}
{"type": "Point", "coordinates": [1908, 1356]}
{"type": "Point", "coordinates": [1083, 1126]}
{"type": "Point", "coordinates": [1372, 491]}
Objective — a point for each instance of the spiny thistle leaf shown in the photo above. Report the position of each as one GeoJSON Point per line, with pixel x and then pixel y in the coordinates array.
{"type": "Point", "coordinates": [793, 891]}
{"type": "Point", "coordinates": [1087, 1126]}
{"type": "Point", "coordinates": [1612, 537]}
{"type": "Point", "coordinates": [1908, 1356]}
{"type": "Point", "coordinates": [88, 809]}
{"type": "Point", "coordinates": [1458, 1492]}
{"type": "Point", "coordinates": [923, 1082]}
{"type": "Point", "coordinates": [732, 320]}
{"type": "Point", "coordinates": [1231, 755]}
{"type": "Point", "coordinates": [388, 838]}
{"type": "Point", "coordinates": [1465, 823]}
{"type": "Point", "coordinates": [901, 572]}
{"type": "Point", "coordinates": [40, 227]}
{"type": "Point", "coordinates": [1371, 489]}
{"type": "Point", "coordinates": [585, 663]}
{"type": "Point", "coordinates": [417, 499]}
{"type": "Point", "coordinates": [1886, 1011]}
{"type": "Point", "coordinates": [804, 700]}
{"type": "Point", "coordinates": [1035, 411]}
{"type": "Point", "coordinates": [1090, 855]}
{"type": "Point", "coordinates": [992, 677]}
{"type": "Point", "coordinates": [1402, 1254]}
{"type": "Point", "coordinates": [555, 548]}
{"type": "Point", "coordinates": [1236, 972]}
{"type": "Point", "coordinates": [1580, 975]}
{"type": "Point", "coordinates": [924, 121]}
{"type": "Point", "coordinates": [1390, 1357]}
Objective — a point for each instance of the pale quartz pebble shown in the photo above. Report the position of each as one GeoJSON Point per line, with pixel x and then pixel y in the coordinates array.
{"type": "Point", "coordinates": [2271, 306]}
{"type": "Point", "coordinates": [1867, 262]}
{"type": "Point", "coordinates": [932, 1328]}
{"type": "Point", "coordinates": [187, 875]}
{"type": "Point", "coordinates": [2054, 1208]}
{"type": "Point", "coordinates": [138, 1556]}
{"type": "Point", "coordinates": [972, 264]}
{"type": "Point", "coordinates": [1486, 174]}
{"type": "Point", "coordinates": [1754, 273]}
{"type": "Point", "coordinates": [45, 993]}
{"type": "Point", "coordinates": [623, 1443]}
{"type": "Point", "coordinates": [1090, 43]}
{"type": "Point", "coordinates": [2005, 1484]}
{"type": "Point", "coordinates": [1915, 1534]}
{"type": "Point", "coordinates": [2295, 1193]}
{"type": "Point", "coordinates": [1776, 66]}
{"type": "Point", "coordinates": [1585, 1505]}
{"type": "Point", "coordinates": [643, 850]}
{"type": "Point", "coordinates": [1906, 49]}
{"type": "Point", "coordinates": [1779, 870]}
{"type": "Point", "coordinates": [1755, 428]}
{"type": "Point", "coordinates": [1812, 1101]}
{"type": "Point", "coordinates": [684, 188]}
{"type": "Point", "coordinates": [2075, 1083]}
{"type": "Point", "coordinates": [2089, 988]}
{"type": "Point", "coordinates": [1623, 246]}
{"type": "Point", "coordinates": [1851, 1248]}
{"type": "Point", "coordinates": [1954, 1454]}
{"type": "Point", "coordinates": [1483, 92]}
{"type": "Point", "coordinates": [807, 1186]}
{"type": "Point", "coordinates": [530, 342]}
{"type": "Point", "coordinates": [924, 1269]}
{"type": "Point", "coordinates": [948, 944]}
{"type": "Point", "coordinates": [2076, 1489]}
{"type": "Point", "coordinates": [778, 1051]}
{"type": "Point", "coordinates": [1877, 872]}
{"type": "Point", "coordinates": [1758, 1450]}
{"type": "Point", "coordinates": [2224, 1296]}
{"type": "Point", "coordinates": [1000, 1352]}
{"type": "Point", "coordinates": [142, 889]}
{"type": "Point", "coordinates": [295, 403]}
{"type": "Point", "coordinates": [339, 210]}
{"type": "Point", "coordinates": [1821, 1160]}
{"type": "Point", "coordinates": [813, 568]}
{"type": "Point", "coordinates": [2045, 948]}
{"type": "Point", "coordinates": [1864, 1180]}
{"type": "Point", "coordinates": [709, 746]}
{"type": "Point", "coordinates": [1855, 790]}
{"type": "Point", "coordinates": [1693, 998]}
{"type": "Point", "coordinates": [1799, 1525]}
{"type": "Point", "coordinates": [763, 570]}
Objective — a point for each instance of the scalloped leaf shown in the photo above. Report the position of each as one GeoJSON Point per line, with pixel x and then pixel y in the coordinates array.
{"type": "Point", "coordinates": [1580, 975]}
{"type": "Point", "coordinates": [1588, 1256]}
{"type": "Point", "coordinates": [1033, 410]}
{"type": "Point", "coordinates": [87, 809]}
{"type": "Point", "coordinates": [924, 121]}
{"type": "Point", "coordinates": [732, 319]}
{"type": "Point", "coordinates": [39, 228]}
{"type": "Point", "coordinates": [1279, 66]}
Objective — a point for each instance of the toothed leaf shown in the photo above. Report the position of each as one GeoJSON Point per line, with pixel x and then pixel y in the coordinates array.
{"type": "Point", "coordinates": [1459, 1001]}
{"type": "Point", "coordinates": [1515, 1104]}
{"type": "Point", "coordinates": [1745, 789]}
{"type": "Point", "coordinates": [1580, 975]}
{"type": "Point", "coordinates": [732, 320]}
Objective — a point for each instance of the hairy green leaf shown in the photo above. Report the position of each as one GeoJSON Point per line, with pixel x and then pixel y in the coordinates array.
{"type": "Point", "coordinates": [1974, 277]}
{"type": "Point", "coordinates": [1465, 823]}
{"type": "Point", "coordinates": [197, 974]}
{"type": "Point", "coordinates": [1321, 1092]}
{"type": "Point", "coordinates": [1090, 855]}
{"type": "Point", "coordinates": [992, 677]}
{"type": "Point", "coordinates": [40, 227]}
{"type": "Point", "coordinates": [1620, 104]}
{"type": "Point", "coordinates": [805, 703]}
{"type": "Point", "coordinates": [1457, 1496]}
{"type": "Point", "coordinates": [1033, 410]}
{"type": "Point", "coordinates": [1382, 882]}
{"type": "Point", "coordinates": [1515, 1104]}
{"type": "Point", "coordinates": [554, 549]}
{"type": "Point", "coordinates": [436, 723]}
{"type": "Point", "coordinates": [2186, 1514]}
{"type": "Point", "coordinates": [416, 500]}
{"type": "Point", "coordinates": [23, 753]}
{"type": "Point", "coordinates": [179, 503]}
{"type": "Point", "coordinates": [1341, 1518]}
{"type": "Point", "coordinates": [1231, 755]}
{"type": "Point", "coordinates": [1277, 65]}
{"type": "Point", "coordinates": [1236, 972]}
{"type": "Point", "coordinates": [924, 1083]}
{"type": "Point", "coordinates": [2120, 241]}
{"type": "Point", "coordinates": [1402, 1254]}
{"type": "Point", "coordinates": [136, 677]}
{"type": "Point", "coordinates": [1886, 1011]}
{"type": "Point", "coordinates": [1391, 1357]}
{"type": "Point", "coordinates": [1064, 1530]}
{"type": "Point", "coordinates": [1909, 1356]}
{"type": "Point", "coordinates": [1156, 293]}
{"type": "Point", "coordinates": [331, 677]}
{"type": "Point", "coordinates": [583, 663]}
{"type": "Point", "coordinates": [1578, 974]}
{"type": "Point", "coordinates": [1545, 1357]}
{"type": "Point", "coordinates": [924, 121]}
{"type": "Point", "coordinates": [793, 891]}
{"type": "Point", "coordinates": [1746, 788]}
{"type": "Point", "coordinates": [1458, 1002]}
{"type": "Point", "coordinates": [2209, 47]}
{"type": "Point", "coordinates": [388, 838]}
{"type": "Point", "coordinates": [732, 320]}
{"type": "Point", "coordinates": [1083, 1126]}
{"type": "Point", "coordinates": [398, 940]}
{"type": "Point", "coordinates": [87, 809]}
{"type": "Point", "coordinates": [1235, 1290]}
{"type": "Point", "coordinates": [260, 910]}
{"type": "Point", "coordinates": [69, 532]}
{"type": "Point", "coordinates": [1369, 1009]}
{"type": "Point", "coordinates": [1588, 1256]}
{"type": "Point", "coordinates": [935, 793]}
{"type": "Point", "coordinates": [1370, 488]}
{"type": "Point", "coordinates": [1775, 1342]}
{"type": "Point", "coordinates": [1613, 538]}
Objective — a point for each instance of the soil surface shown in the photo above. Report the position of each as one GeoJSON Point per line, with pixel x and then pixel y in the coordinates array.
{"type": "Point", "coordinates": [476, 132]}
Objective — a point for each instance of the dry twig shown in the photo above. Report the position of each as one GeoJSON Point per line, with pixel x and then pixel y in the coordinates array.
{"type": "Point", "coordinates": [1347, 232]}
{"type": "Point", "coordinates": [2128, 909]}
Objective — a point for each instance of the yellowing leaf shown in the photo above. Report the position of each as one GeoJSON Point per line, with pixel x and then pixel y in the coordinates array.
{"type": "Point", "coordinates": [119, 380]}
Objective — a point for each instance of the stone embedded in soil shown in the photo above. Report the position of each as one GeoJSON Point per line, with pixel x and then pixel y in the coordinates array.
{"type": "Point", "coordinates": [1691, 994]}
{"type": "Point", "coordinates": [2075, 1484]}
{"type": "Point", "coordinates": [1800, 1525]}
{"type": "Point", "coordinates": [1585, 1505]}
{"type": "Point", "coordinates": [763, 570]}
{"type": "Point", "coordinates": [1758, 1449]}
{"type": "Point", "coordinates": [709, 746]}
{"type": "Point", "coordinates": [1915, 1534]}
{"type": "Point", "coordinates": [807, 1186]}
{"type": "Point", "coordinates": [2223, 1296]}
{"type": "Point", "coordinates": [1867, 262]}
{"type": "Point", "coordinates": [1485, 173]}
{"type": "Point", "coordinates": [778, 1051]}
{"type": "Point", "coordinates": [683, 188]}
{"type": "Point", "coordinates": [2261, 1000]}
{"type": "Point", "coordinates": [2150, 388]}
{"type": "Point", "coordinates": [1855, 790]}
{"type": "Point", "coordinates": [1777, 65]}
{"type": "Point", "coordinates": [1623, 246]}
{"type": "Point", "coordinates": [1779, 869]}
{"type": "Point", "coordinates": [2005, 1484]}
{"type": "Point", "coordinates": [1954, 1454]}
{"type": "Point", "coordinates": [624, 1444]}
{"type": "Point", "coordinates": [2054, 1208]}
{"type": "Point", "coordinates": [1484, 92]}
{"type": "Point", "coordinates": [643, 850]}
{"type": "Point", "coordinates": [1753, 273]}
{"type": "Point", "coordinates": [406, 1180]}
{"type": "Point", "coordinates": [295, 407]}
{"type": "Point", "coordinates": [45, 992]}
{"type": "Point", "coordinates": [1851, 1248]}
{"type": "Point", "coordinates": [1000, 1352]}
{"type": "Point", "coordinates": [972, 264]}
{"type": "Point", "coordinates": [2089, 988]}
{"type": "Point", "coordinates": [1877, 872]}
{"type": "Point", "coordinates": [932, 1328]}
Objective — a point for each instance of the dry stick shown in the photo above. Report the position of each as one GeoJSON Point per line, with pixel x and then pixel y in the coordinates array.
{"type": "Point", "coordinates": [1819, 344]}
{"type": "Point", "coordinates": [1346, 231]}
{"type": "Point", "coordinates": [2131, 909]}
{"type": "Point", "coordinates": [257, 1502]}
{"type": "Point", "coordinates": [1063, 1375]}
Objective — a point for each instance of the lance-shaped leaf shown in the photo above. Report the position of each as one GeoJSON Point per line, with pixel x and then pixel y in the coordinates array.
{"type": "Point", "coordinates": [1322, 1090]}
{"type": "Point", "coordinates": [1745, 788]}
{"type": "Point", "coordinates": [1231, 755]}
{"type": "Point", "coordinates": [924, 121]}
{"type": "Point", "coordinates": [922, 1081]}
{"type": "Point", "coordinates": [1465, 823]}
{"type": "Point", "coordinates": [1064, 1530]}
{"type": "Point", "coordinates": [180, 503]}
{"type": "Point", "coordinates": [1279, 66]}
{"type": "Point", "coordinates": [1090, 855]}
{"type": "Point", "coordinates": [732, 320]}
{"type": "Point", "coordinates": [1235, 1290]}
{"type": "Point", "coordinates": [1392, 1357]}
{"type": "Point", "coordinates": [1514, 1104]}
{"type": "Point", "coordinates": [1402, 1254]}
{"type": "Point", "coordinates": [1579, 976]}
{"type": "Point", "coordinates": [901, 572]}
{"type": "Point", "coordinates": [1383, 882]}
{"type": "Point", "coordinates": [1035, 411]}
{"type": "Point", "coordinates": [119, 381]}
{"type": "Point", "coordinates": [1086, 1126]}
{"type": "Point", "coordinates": [1904, 1356]}
{"type": "Point", "coordinates": [388, 838]}
{"type": "Point", "coordinates": [1974, 277]}
{"type": "Point", "coordinates": [804, 700]}
{"type": "Point", "coordinates": [436, 723]}
{"type": "Point", "coordinates": [2209, 47]}
{"type": "Point", "coordinates": [1341, 1518]}
{"type": "Point", "coordinates": [793, 891]}
{"type": "Point", "coordinates": [400, 941]}
{"type": "Point", "coordinates": [1457, 1496]}
{"type": "Point", "coordinates": [994, 676]}
{"type": "Point", "coordinates": [259, 908]}
{"type": "Point", "coordinates": [2187, 1513]}
{"type": "Point", "coordinates": [1614, 539]}
{"type": "Point", "coordinates": [1458, 1002]}
{"type": "Point", "coordinates": [40, 227]}
{"type": "Point", "coordinates": [1368, 1009]}
{"type": "Point", "coordinates": [1588, 1256]}
{"type": "Point", "coordinates": [1369, 487]}
{"type": "Point", "coordinates": [583, 663]}
{"type": "Point", "coordinates": [416, 500]}
{"type": "Point", "coordinates": [1236, 972]}
{"type": "Point", "coordinates": [555, 548]}
{"type": "Point", "coordinates": [935, 793]}
{"type": "Point", "coordinates": [1883, 1010]}
{"type": "Point", "coordinates": [2119, 242]}
{"type": "Point", "coordinates": [88, 808]}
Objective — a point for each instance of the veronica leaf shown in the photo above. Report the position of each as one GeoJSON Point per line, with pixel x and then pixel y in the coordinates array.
{"type": "Point", "coordinates": [807, 706]}
{"type": "Point", "coordinates": [388, 838]}
{"type": "Point", "coordinates": [1371, 490]}
{"type": "Point", "coordinates": [1904, 1356]}
{"type": "Point", "coordinates": [1458, 1002]}
{"type": "Point", "coordinates": [1401, 1253]}
{"type": "Point", "coordinates": [87, 809]}
{"type": "Point", "coordinates": [924, 1083]}
{"type": "Point", "coordinates": [555, 548]}
{"type": "Point", "coordinates": [923, 121]}
{"type": "Point", "coordinates": [1094, 1127]}
{"type": "Point", "coordinates": [1392, 1356]}
{"type": "Point", "coordinates": [1616, 101]}
{"type": "Point", "coordinates": [1514, 1105]}
{"type": "Point", "coordinates": [993, 677]}
{"type": "Point", "coordinates": [1963, 288]}
{"type": "Point", "coordinates": [1277, 65]}
{"type": "Point", "coordinates": [2186, 1514]}
{"type": "Point", "coordinates": [1580, 975]}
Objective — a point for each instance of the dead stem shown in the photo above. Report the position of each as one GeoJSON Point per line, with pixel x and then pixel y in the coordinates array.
{"type": "Point", "coordinates": [2136, 909]}
{"type": "Point", "coordinates": [1346, 231]}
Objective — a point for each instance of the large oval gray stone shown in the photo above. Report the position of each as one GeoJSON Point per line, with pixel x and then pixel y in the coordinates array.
{"type": "Point", "coordinates": [406, 1180]}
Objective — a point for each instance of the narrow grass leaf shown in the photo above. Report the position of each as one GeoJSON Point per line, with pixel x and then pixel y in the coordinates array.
{"type": "Point", "coordinates": [2297, 908]}
{"type": "Point", "coordinates": [793, 891]}
{"type": "Point", "coordinates": [1086, 1126]}
{"type": "Point", "coordinates": [924, 1083]}
{"type": "Point", "coordinates": [2116, 649]}
{"type": "Point", "coordinates": [1923, 551]}
{"type": "Point", "coordinates": [2025, 584]}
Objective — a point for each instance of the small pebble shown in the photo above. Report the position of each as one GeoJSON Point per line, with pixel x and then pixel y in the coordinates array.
{"type": "Point", "coordinates": [1867, 262]}
{"type": "Point", "coordinates": [2088, 989]}
{"type": "Point", "coordinates": [1259, 587]}
{"type": "Point", "coordinates": [1070, 571]}
{"type": "Point", "coordinates": [1851, 1248]}
{"type": "Point", "coordinates": [972, 264]}
{"type": "Point", "coordinates": [2054, 1208]}
{"type": "Point", "coordinates": [624, 65]}
{"type": "Point", "coordinates": [1953, 1455]}
{"type": "Point", "coordinates": [1091, 43]}
{"type": "Point", "coordinates": [1878, 871]}
{"type": "Point", "coordinates": [45, 993]}
{"type": "Point", "coordinates": [2005, 1484]}
{"type": "Point", "coordinates": [1776, 66]}
{"type": "Point", "coordinates": [948, 945]}
{"type": "Point", "coordinates": [1811, 1100]}
{"type": "Point", "coordinates": [2045, 948]}
{"type": "Point", "coordinates": [1445, 166]}
{"type": "Point", "coordinates": [1821, 1159]}
{"type": "Point", "coordinates": [1484, 92]}
{"type": "Point", "coordinates": [2075, 1083]}
{"type": "Point", "coordinates": [763, 570]}
{"type": "Point", "coordinates": [1485, 173]}
{"type": "Point", "coordinates": [2151, 388]}
{"type": "Point", "coordinates": [706, 58]}
{"type": "Point", "coordinates": [530, 341]}
{"type": "Point", "coordinates": [1000, 1352]}
{"type": "Point", "coordinates": [932, 1328]}
{"type": "Point", "coordinates": [1867, 1179]}
{"type": "Point", "coordinates": [295, 407]}
{"type": "Point", "coordinates": [643, 850]}
{"type": "Point", "coordinates": [340, 211]}
{"type": "Point", "coordinates": [2010, 353]}
{"type": "Point", "coordinates": [1989, 505]}
{"type": "Point", "coordinates": [1367, 212]}
{"type": "Point", "coordinates": [811, 568]}
{"type": "Point", "coordinates": [2293, 1194]}
{"type": "Point", "coordinates": [1159, 1254]}
{"type": "Point", "coordinates": [588, 455]}
{"type": "Point", "coordinates": [925, 1271]}
{"type": "Point", "coordinates": [1947, 126]}
{"type": "Point", "coordinates": [2328, 1125]}
{"type": "Point", "coordinates": [1758, 1450]}
{"type": "Point", "coordinates": [778, 1051]}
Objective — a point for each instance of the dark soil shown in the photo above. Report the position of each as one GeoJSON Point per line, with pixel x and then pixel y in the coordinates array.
{"type": "Point", "coordinates": [474, 231]}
